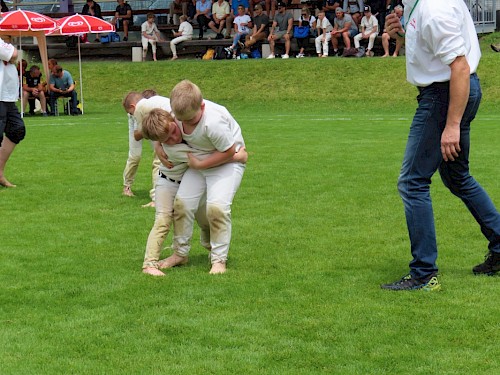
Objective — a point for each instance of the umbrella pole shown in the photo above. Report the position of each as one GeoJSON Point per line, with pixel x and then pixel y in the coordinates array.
{"type": "Point", "coordinates": [80, 65]}
{"type": "Point", "coordinates": [20, 62]}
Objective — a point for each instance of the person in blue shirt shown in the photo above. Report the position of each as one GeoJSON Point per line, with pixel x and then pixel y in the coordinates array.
{"type": "Point", "coordinates": [61, 84]}
{"type": "Point", "coordinates": [203, 15]}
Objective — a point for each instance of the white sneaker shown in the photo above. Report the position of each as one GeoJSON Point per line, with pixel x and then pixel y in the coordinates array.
{"type": "Point", "coordinates": [271, 56]}
{"type": "Point", "coordinates": [285, 56]}
{"type": "Point", "coordinates": [299, 56]}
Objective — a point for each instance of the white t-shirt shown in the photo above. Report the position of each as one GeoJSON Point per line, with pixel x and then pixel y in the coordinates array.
{"type": "Point", "coordinates": [177, 154]}
{"type": "Point", "coordinates": [9, 80]}
{"type": "Point", "coordinates": [243, 19]}
{"type": "Point", "coordinates": [436, 33]}
{"type": "Point", "coordinates": [216, 131]}
{"type": "Point", "coordinates": [149, 29]}
{"type": "Point", "coordinates": [144, 106]}
{"type": "Point", "coordinates": [369, 24]}
{"type": "Point", "coordinates": [186, 28]}
{"type": "Point", "coordinates": [324, 24]}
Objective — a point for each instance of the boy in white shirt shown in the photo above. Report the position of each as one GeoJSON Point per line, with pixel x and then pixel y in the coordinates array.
{"type": "Point", "coordinates": [150, 34]}
{"type": "Point", "coordinates": [369, 30]}
{"type": "Point", "coordinates": [185, 33]}
{"type": "Point", "coordinates": [323, 39]}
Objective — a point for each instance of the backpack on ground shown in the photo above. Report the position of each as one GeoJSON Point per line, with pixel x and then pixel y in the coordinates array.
{"type": "Point", "coordinates": [209, 55]}
{"type": "Point", "coordinates": [221, 53]}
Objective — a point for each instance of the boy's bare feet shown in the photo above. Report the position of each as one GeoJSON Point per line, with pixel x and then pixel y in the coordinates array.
{"type": "Point", "coordinates": [150, 204]}
{"type": "Point", "coordinates": [127, 191]}
{"type": "Point", "coordinates": [174, 58]}
{"type": "Point", "coordinates": [5, 183]}
{"type": "Point", "coordinates": [172, 261]}
{"type": "Point", "coordinates": [152, 271]}
{"type": "Point", "coordinates": [385, 55]}
{"type": "Point", "coordinates": [218, 268]}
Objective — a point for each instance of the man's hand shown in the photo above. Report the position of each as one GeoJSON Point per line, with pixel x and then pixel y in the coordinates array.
{"type": "Point", "coordinates": [450, 142]}
{"type": "Point", "coordinates": [393, 26]}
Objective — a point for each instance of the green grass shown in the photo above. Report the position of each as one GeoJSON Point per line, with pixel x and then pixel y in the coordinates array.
{"type": "Point", "coordinates": [318, 225]}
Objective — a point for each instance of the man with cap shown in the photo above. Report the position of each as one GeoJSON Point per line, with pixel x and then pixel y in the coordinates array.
{"type": "Point", "coordinates": [344, 27]}
{"type": "Point", "coordinates": [281, 28]}
{"type": "Point", "coordinates": [369, 30]}
{"type": "Point", "coordinates": [442, 55]}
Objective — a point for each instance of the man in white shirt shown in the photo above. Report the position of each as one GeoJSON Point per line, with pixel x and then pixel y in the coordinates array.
{"type": "Point", "coordinates": [442, 55]}
{"type": "Point", "coordinates": [11, 123]}
{"type": "Point", "coordinates": [369, 30]}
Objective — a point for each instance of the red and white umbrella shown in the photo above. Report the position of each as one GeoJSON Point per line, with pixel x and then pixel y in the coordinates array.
{"type": "Point", "coordinates": [81, 24]}
{"type": "Point", "coordinates": [24, 20]}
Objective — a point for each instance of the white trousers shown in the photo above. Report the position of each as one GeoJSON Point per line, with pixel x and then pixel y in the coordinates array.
{"type": "Point", "coordinates": [145, 42]}
{"type": "Point", "coordinates": [176, 41]}
{"type": "Point", "coordinates": [319, 40]}
{"type": "Point", "coordinates": [220, 184]}
{"type": "Point", "coordinates": [371, 40]}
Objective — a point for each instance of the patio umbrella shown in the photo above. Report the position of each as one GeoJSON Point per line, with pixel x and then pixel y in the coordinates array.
{"type": "Point", "coordinates": [78, 24]}
{"type": "Point", "coordinates": [21, 22]}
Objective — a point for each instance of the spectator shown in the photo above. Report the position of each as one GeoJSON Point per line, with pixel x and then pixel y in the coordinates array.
{"type": "Point", "coordinates": [91, 8]}
{"type": "Point", "coordinates": [34, 89]}
{"type": "Point", "coordinates": [323, 39]}
{"type": "Point", "coordinates": [260, 29]}
{"type": "Point", "coordinates": [220, 18]}
{"type": "Point", "coordinates": [398, 10]}
{"type": "Point", "coordinates": [269, 4]}
{"type": "Point", "coordinates": [353, 8]}
{"type": "Point", "coordinates": [185, 33]}
{"type": "Point", "coordinates": [123, 18]}
{"type": "Point", "coordinates": [234, 12]}
{"type": "Point", "coordinates": [284, 22]}
{"type": "Point", "coordinates": [5, 8]}
{"type": "Point", "coordinates": [306, 20]}
{"type": "Point", "coordinates": [203, 9]}
{"type": "Point", "coordinates": [329, 7]}
{"type": "Point", "coordinates": [369, 30]}
{"type": "Point", "coordinates": [241, 28]}
{"type": "Point", "coordinates": [175, 5]}
{"type": "Point", "coordinates": [150, 35]}
{"type": "Point", "coordinates": [343, 27]}
{"type": "Point", "coordinates": [378, 10]}
{"type": "Point", "coordinates": [61, 84]}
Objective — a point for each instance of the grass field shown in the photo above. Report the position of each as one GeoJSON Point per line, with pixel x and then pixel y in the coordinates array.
{"type": "Point", "coordinates": [317, 226]}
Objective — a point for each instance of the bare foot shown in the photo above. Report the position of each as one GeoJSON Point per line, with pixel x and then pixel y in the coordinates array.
{"type": "Point", "coordinates": [127, 191]}
{"type": "Point", "coordinates": [218, 268]}
{"type": "Point", "coordinates": [5, 183]}
{"type": "Point", "coordinates": [172, 261]}
{"type": "Point", "coordinates": [395, 55]}
{"type": "Point", "coordinates": [152, 271]}
{"type": "Point", "coordinates": [150, 204]}
{"type": "Point", "coordinates": [385, 55]}
{"type": "Point", "coordinates": [174, 58]}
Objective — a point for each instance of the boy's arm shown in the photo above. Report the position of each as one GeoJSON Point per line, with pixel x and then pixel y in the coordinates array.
{"type": "Point", "coordinates": [160, 152]}
{"type": "Point", "coordinates": [215, 159]}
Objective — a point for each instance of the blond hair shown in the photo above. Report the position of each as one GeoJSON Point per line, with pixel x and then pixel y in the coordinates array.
{"type": "Point", "coordinates": [306, 10]}
{"type": "Point", "coordinates": [131, 99]}
{"type": "Point", "coordinates": [156, 124]}
{"type": "Point", "coordinates": [185, 100]}
{"type": "Point", "coordinates": [183, 18]}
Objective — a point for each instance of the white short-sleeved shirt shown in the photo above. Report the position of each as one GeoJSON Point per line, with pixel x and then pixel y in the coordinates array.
{"type": "Point", "coordinates": [324, 24]}
{"type": "Point", "coordinates": [144, 106]}
{"type": "Point", "coordinates": [186, 28]}
{"type": "Point", "coordinates": [216, 131]}
{"type": "Point", "coordinates": [149, 29]}
{"type": "Point", "coordinates": [6, 73]}
{"type": "Point", "coordinates": [437, 32]}
{"type": "Point", "coordinates": [243, 19]}
{"type": "Point", "coordinates": [177, 154]}
{"type": "Point", "coordinates": [369, 24]}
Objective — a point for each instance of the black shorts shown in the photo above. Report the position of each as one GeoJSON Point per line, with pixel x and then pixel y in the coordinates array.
{"type": "Point", "coordinates": [11, 122]}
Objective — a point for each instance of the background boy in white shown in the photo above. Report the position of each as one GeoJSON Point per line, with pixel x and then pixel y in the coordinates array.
{"type": "Point", "coordinates": [150, 34]}
{"type": "Point", "coordinates": [324, 28]}
{"type": "Point", "coordinates": [369, 29]}
{"type": "Point", "coordinates": [185, 33]}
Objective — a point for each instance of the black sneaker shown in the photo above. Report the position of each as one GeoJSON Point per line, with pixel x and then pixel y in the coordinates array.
{"type": "Point", "coordinates": [429, 284]}
{"type": "Point", "coordinates": [125, 38]}
{"type": "Point", "coordinates": [490, 266]}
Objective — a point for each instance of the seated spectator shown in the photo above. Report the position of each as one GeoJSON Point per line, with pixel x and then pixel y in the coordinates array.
{"type": "Point", "coordinates": [91, 8]}
{"type": "Point", "coordinates": [123, 18]}
{"type": "Point", "coordinates": [324, 28]}
{"type": "Point", "coordinates": [185, 33]}
{"type": "Point", "coordinates": [34, 89]}
{"type": "Point", "coordinates": [398, 10]}
{"type": "Point", "coordinates": [149, 35]}
{"type": "Point", "coordinates": [175, 5]}
{"type": "Point", "coordinates": [369, 30]}
{"type": "Point", "coordinates": [203, 9]}
{"type": "Point", "coordinates": [281, 28]}
{"type": "Point", "coordinates": [345, 28]}
{"type": "Point", "coordinates": [329, 7]}
{"type": "Point", "coordinates": [61, 84]}
{"type": "Point", "coordinates": [378, 10]}
{"type": "Point", "coordinates": [241, 29]}
{"type": "Point", "coordinates": [353, 8]}
{"type": "Point", "coordinates": [260, 29]}
{"type": "Point", "coordinates": [306, 20]}
{"type": "Point", "coordinates": [269, 4]}
{"type": "Point", "coordinates": [234, 12]}
{"type": "Point", "coordinates": [220, 18]}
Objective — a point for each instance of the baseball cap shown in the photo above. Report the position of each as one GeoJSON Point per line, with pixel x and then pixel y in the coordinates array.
{"type": "Point", "coordinates": [367, 8]}
{"type": "Point", "coordinates": [339, 9]}
{"type": "Point", "coordinates": [281, 4]}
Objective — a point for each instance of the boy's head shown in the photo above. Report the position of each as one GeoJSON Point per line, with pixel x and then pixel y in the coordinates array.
{"type": "Point", "coordinates": [130, 101]}
{"type": "Point", "coordinates": [149, 93]}
{"type": "Point", "coordinates": [150, 17]}
{"type": "Point", "coordinates": [52, 63]}
{"type": "Point", "coordinates": [186, 101]}
{"type": "Point", "coordinates": [183, 18]}
{"type": "Point", "coordinates": [159, 125]}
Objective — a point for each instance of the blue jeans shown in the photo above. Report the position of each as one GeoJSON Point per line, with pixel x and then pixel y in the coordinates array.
{"type": "Point", "coordinates": [422, 159]}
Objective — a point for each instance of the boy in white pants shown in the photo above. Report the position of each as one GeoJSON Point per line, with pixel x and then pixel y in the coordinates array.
{"type": "Point", "coordinates": [185, 33]}
{"type": "Point", "coordinates": [323, 39]}
{"type": "Point", "coordinates": [149, 34]}
{"type": "Point", "coordinates": [208, 127]}
{"type": "Point", "coordinates": [159, 125]}
{"type": "Point", "coordinates": [369, 30]}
